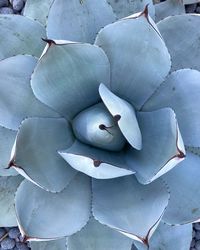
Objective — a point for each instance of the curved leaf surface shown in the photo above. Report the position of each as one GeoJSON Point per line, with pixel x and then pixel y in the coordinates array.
{"type": "Point", "coordinates": [78, 20]}
{"type": "Point", "coordinates": [8, 187]}
{"type": "Point", "coordinates": [183, 39]}
{"type": "Point", "coordinates": [179, 91]}
{"type": "Point", "coordinates": [17, 100]}
{"type": "Point", "coordinates": [129, 207]}
{"type": "Point", "coordinates": [138, 56]}
{"type": "Point", "coordinates": [44, 216]}
{"type": "Point", "coordinates": [95, 236]}
{"type": "Point", "coordinates": [68, 75]}
{"type": "Point", "coordinates": [35, 152]}
{"type": "Point", "coordinates": [97, 163]}
{"type": "Point", "coordinates": [23, 36]}
{"type": "Point", "coordinates": [49, 245]}
{"type": "Point", "coordinates": [163, 146]}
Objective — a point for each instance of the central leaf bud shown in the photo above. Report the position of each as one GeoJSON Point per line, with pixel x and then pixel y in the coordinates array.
{"type": "Point", "coordinates": [96, 126]}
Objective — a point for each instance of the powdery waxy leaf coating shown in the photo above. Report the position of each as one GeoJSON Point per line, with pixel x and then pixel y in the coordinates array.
{"type": "Point", "coordinates": [35, 152]}
{"type": "Point", "coordinates": [49, 245]}
{"type": "Point", "coordinates": [163, 146]}
{"type": "Point", "coordinates": [95, 236]}
{"type": "Point", "coordinates": [20, 102]}
{"type": "Point", "coordinates": [134, 46]}
{"type": "Point", "coordinates": [23, 36]}
{"type": "Point", "coordinates": [78, 20]}
{"type": "Point", "coordinates": [44, 215]}
{"type": "Point", "coordinates": [67, 76]}
{"type": "Point", "coordinates": [97, 163]}
{"type": "Point", "coordinates": [179, 91]}
{"type": "Point", "coordinates": [129, 207]}
{"type": "Point", "coordinates": [8, 187]}
{"type": "Point", "coordinates": [183, 45]}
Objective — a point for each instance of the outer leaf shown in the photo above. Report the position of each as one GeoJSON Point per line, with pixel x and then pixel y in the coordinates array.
{"type": "Point", "coordinates": [7, 138]}
{"type": "Point", "coordinates": [183, 181]}
{"type": "Point", "coordinates": [16, 97]}
{"type": "Point", "coordinates": [127, 121]}
{"type": "Point", "coordinates": [8, 187]}
{"type": "Point", "coordinates": [38, 10]}
{"type": "Point", "coordinates": [129, 207]}
{"type": "Point", "coordinates": [35, 152]}
{"type": "Point", "coordinates": [170, 237]}
{"type": "Point", "coordinates": [163, 146]}
{"type": "Point", "coordinates": [125, 8]}
{"type": "Point", "coordinates": [95, 236]}
{"type": "Point", "coordinates": [179, 91]}
{"type": "Point", "coordinates": [138, 56]}
{"type": "Point", "coordinates": [67, 77]}
{"type": "Point", "coordinates": [35, 207]}
{"type": "Point", "coordinates": [190, 1]}
{"type": "Point", "coordinates": [49, 245]}
{"type": "Point", "coordinates": [95, 162]}
{"type": "Point", "coordinates": [182, 41]}
{"type": "Point", "coordinates": [24, 33]}
{"type": "Point", "coordinates": [169, 8]}
{"type": "Point", "coordinates": [78, 20]}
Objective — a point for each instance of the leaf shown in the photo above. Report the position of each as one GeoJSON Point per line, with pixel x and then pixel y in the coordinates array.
{"type": "Point", "coordinates": [163, 146]}
{"type": "Point", "coordinates": [8, 187]}
{"type": "Point", "coordinates": [16, 97]}
{"type": "Point", "coordinates": [178, 92]}
{"type": "Point", "coordinates": [40, 13]}
{"type": "Point", "coordinates": [49, 245]}
{"type": "Point", "coordinates": [95, 236]}
{"type": "Point", "coordinates": [78, 20]}
{"type": "Point", "coordinates": [124, 114]}
{"type": "Point", "coordinates": [138, 56]}
{"type": "Point", "coordinates": [46, 216]}
{"type": "Point", "coordinates": [129, 207]}
{"type": "Point", "coordinates": [22, 32]}
{"type": "Point", "coordinates": [67, 76]}
{"type": "Point", "coordinates": [35, 152]}
{"type": "Point", "coordinates": [183, 182]}
{"type": "Point", "coordinates": [97, 163]}
{"type": "Point", "coordinates": [183, 39]}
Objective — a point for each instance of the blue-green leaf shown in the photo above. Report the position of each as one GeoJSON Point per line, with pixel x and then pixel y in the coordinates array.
{"type": "Point", "coordinates": [68, 75]}
{"type": "Point", "coordinates": [97, 163]}
{"type": "Point", "coordinates": [44, 216]}
{"type": "Point", "coordinates": [138, 56]}
{"type": "Point", "coordinates": [35, 152]}
{"type": "Point", "coordinates": [163, 146]}
{"type": "Point", "coordinates": [49, 245]}
{"type": "Point", "coordinates": [129, 207]}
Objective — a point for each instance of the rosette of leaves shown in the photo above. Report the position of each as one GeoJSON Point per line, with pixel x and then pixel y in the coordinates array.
{"type": "Point", "coordinates": [99, 142]}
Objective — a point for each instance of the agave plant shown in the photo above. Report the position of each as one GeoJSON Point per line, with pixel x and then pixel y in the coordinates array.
{"type": "Point", "coordinates": [99, 142]}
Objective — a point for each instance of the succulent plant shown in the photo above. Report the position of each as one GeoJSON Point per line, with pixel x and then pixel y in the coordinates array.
{"type": "Point", "coordinates": [99, 143]}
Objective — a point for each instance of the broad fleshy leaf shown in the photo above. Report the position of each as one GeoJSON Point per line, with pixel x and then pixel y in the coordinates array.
{"type": "Point", "coordinates": [181, 92]}
{"type": "Point", "coordinates": [163, 146]}
{"type": "Point", "coordinates": [17, 100]}
{"type": "Point", "coordinates": [183, 182]}
{"type": "Point", "coordinates": [7, 138]}
{"type": "Point", "coordinates": [169, 237]}
{"type": "Point", "coordinates": [97, 163]}
{"type": "Point", "coordinates": [183, 45]}
{"type": "Point", "coordinates": [129, 207]}
{"type": "Point", "coordinates": [35, 152]}
{"type": "Point", "coordinates": [68, 75]}
{"type": "Point", "coordinates": [124, 114]}
{"type": "Point", "coordinates": [124, 8]}
{"type": "Point", "coordinates": [95, 236]}
{"type": "Point", "coordinates": [49, 245]}
{"type": "Point", "coordinates": [8, 187]}
{"type": "Point", "coordinates": [78, 20]}
{"type": "Point", "coordinates": [138, 56]}
{"type": "Point", "coordinates": [22, 32]}
{"type": "Point", "coordinates": [45, 216]}
{"type": "Point", "coordinates": [168, 8]}
{"type": "Point", "coordinates": [38, 10]}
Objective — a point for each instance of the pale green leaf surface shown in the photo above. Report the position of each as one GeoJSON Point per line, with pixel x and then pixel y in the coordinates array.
{"type": "Point", "coordinates": [49, 245]}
